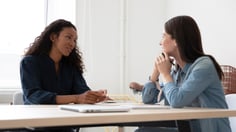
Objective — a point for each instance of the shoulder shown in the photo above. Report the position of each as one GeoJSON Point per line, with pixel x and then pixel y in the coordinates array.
{"type": "Point", "coordinates": [203, 59]}
{"type": "Point", "coordinates": [29, 59]}
{"type": "Point", "coordinates": [29, 63]}
{"type": "Point", "coordinates": [204, 62]}
{"type": "Point", "coordinates": [35, 59]}
{"type": "Point", "coordinates": [202, 68]}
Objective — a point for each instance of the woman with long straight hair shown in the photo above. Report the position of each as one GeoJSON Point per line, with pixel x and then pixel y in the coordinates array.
{"type": "Point", "coordinates": [195, 78]}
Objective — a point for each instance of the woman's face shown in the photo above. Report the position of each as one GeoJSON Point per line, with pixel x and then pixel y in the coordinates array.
{"type": "Point", "coordinates": [168, 44]}
{"type": "Point", "coordinates": [65, 42]}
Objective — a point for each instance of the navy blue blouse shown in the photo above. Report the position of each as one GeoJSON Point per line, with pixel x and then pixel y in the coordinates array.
{"type": "Point", "coordinates": [41, 83]}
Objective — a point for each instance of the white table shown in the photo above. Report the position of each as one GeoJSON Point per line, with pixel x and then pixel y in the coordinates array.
{"type": "Point", "coordinates": [33, 116]}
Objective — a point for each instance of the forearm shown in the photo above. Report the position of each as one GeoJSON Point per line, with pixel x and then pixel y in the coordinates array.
{"type": "Point", "coordinates": [167, 78]}
{"type": "Point", "coordinates": [155, 75]}
{"type": "Point", "coordinates": [66, 99]}
{"type": "Point", "coordinates": [89, 97]}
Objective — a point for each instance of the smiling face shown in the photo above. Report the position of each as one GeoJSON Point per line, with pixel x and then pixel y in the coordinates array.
{"type": "Point", "coordinates": [63, 43]}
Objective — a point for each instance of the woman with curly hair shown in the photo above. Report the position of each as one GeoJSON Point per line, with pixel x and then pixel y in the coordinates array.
{"type": "Point", "coordinates": [51, 70]}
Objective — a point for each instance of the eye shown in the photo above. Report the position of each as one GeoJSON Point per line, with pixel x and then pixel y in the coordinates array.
{"type": "Point", "coordinates": [68, 37]}
{"type": "Point", "coordinates": [75, 41]}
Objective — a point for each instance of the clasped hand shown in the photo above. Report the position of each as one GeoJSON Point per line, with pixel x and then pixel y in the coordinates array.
{"type": "Point", "coordinates": [163, 63]}
{"type": "Point", "coordinates": [91, 97]}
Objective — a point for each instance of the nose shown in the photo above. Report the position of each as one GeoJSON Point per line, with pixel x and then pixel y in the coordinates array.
{"type": "Point", "coordinates": [72, 44]}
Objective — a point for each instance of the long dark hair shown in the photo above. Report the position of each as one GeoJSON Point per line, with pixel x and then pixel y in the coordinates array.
{"type": "Point", "coordinates": [188, 38]}
{"type": "Point", "coordinates": [43, 44]}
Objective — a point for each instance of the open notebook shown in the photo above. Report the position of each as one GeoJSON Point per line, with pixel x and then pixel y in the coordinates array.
{"type": "Point", "coordinates": [86, 108]}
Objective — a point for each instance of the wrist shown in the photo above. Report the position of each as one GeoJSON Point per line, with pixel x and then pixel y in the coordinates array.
{"type": "Point", "coordinates": [156, 79]}
{"type": "Point", "coordinates": [76, 99]}
{"type": "Point", "coordinates": [167, 78]}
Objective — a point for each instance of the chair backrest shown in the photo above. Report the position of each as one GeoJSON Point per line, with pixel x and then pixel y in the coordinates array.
{"type": "Point", "coordinates": [229, 79]}
{"type": "Point", "coordinates": [18, 98]}
{"type": "Point", "coordinates": [231, 101]}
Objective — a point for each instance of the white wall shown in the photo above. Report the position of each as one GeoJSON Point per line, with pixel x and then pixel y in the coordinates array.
{"type": "Point", "coordinates": [120, 38]}
{"type": "Point", "coordinates": [99, 39]}
{"type": "Point", "coordinates": [60, 9]}
{"type": "Point", "coordinates": [144, 30]}
{"type": "Point", "coordinates": [216, 19]}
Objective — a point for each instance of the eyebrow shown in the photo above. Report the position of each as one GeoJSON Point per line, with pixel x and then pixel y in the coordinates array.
{"type": "Point", "coordinates": [71, 35]}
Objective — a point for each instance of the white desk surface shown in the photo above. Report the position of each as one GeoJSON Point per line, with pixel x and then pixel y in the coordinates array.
{"type": "Point", "coordinates": [28, 116]}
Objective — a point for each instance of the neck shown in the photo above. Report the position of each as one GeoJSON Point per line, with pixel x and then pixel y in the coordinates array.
{"type": "Point", "coordinates": [56, 60]}
{"type": "Point", "coordinates": [56, 57]}
{"type": "Point", "coordinates": [179, 61]}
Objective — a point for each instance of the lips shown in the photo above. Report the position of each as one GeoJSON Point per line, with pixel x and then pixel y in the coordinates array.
{"type": "Point", "coordinates": [69, 50]}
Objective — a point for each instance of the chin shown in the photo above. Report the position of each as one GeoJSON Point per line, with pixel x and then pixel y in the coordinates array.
{"type": "Point", "coordinates": [66, 54]}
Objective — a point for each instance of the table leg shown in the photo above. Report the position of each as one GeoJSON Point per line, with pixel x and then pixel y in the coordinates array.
{"type": "Point", "coordinates": [183, 125]}
{"type": "Point", "coordinates": [120, 129]}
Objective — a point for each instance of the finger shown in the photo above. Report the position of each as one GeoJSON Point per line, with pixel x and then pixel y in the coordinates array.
{"type": "Point", "coordinates": [163, 54]}
{"type": "Point", "coordinates": [91, 100]}
{"type": "Point", "coordinates": [165, 57]}
{"type": "Point", "coordinates": [101, 99]}
{"type": "Point", "coordinates": [94, 93]}
{"type": "Point", "coordinates": [103, 91]}
{"type": "Point", "coordinates": [91, 96]}
{"type": "Point", "coordinates": [96, 96]}
{"type": "Point", "coordinates": [160, 59]}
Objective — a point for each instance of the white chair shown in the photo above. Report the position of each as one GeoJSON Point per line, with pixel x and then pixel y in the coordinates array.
{"type": "Point", "coordinates": [18, 98]}
{"type": "Point", "coordinates": [231, 100]}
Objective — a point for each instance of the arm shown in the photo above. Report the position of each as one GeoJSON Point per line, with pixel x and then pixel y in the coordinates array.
{"type": "Point", "coordinates": [200, 76]}
{"type": "Point", "coordinates": [88, 97]}
{"type": "Point", "coordinates": [155, 79]}
{"type": "Point", "coordinates": [155, 74]}
{"type": "Point", "coordinates": [83, 94]}
{"type": "Point", "coordinates": [32, 78]}
{"type": "Point", "coordinates": [31, 83]}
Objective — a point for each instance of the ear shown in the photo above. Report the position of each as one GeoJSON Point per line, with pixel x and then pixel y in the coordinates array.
{"type": "Point", "coordinates": [175, 44]}
{"type": "Point", "coordinates": [53, 37]}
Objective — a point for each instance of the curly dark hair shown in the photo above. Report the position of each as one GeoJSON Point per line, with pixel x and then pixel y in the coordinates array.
{"type": "Point", "coordinates": [43, 44]}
